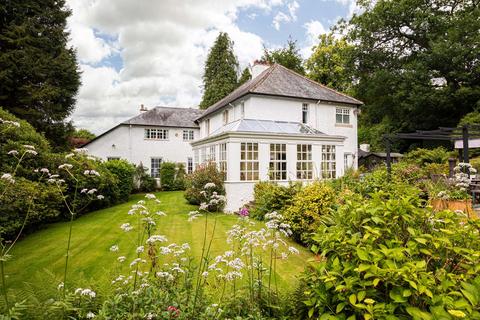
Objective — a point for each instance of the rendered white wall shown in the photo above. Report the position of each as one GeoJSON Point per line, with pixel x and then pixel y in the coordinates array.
{"type": "Point", "coordinates": [321, 117]}
{"type": "Point", "coordinates": [128, 142]}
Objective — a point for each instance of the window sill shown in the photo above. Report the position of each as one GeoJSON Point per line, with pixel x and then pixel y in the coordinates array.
{"type": "Point", "coordinates": [343, 125]}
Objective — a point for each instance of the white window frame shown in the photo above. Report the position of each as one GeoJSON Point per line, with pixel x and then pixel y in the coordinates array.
{"type": "Point", "coordinates": [211, 153]}
{"type": "Point", "coordinates": [196, 157]}
{"type": "Point", "coordinates": [305, 113]}
{"type": "Point", "coordinates": [222, 157]}
{"type": "Point", "coordinates": [189, 165]}
{"type": "Point", "coordinates": [203, 154]}
{"type": "Point", "coordinates": [207, 127]}
{"type": "Point", "coordinates": [155, 134]}
{"type": "Point", "coordinates": [278, 162]}
{"type": "Point", "coordinates": [188, 135]}
{"type": "Point", "coordinates": [155, 168]}
{"type": "Point", "coordinates": [342, 115]}
{"type": "Point", "coordinates": [329, 164]}
{"type": "Point", "coordinates": [225, 116]}
{"type": "Point", "coordinates": [304, 162]}
{"type": "Point", "coordinates": [249, 167]}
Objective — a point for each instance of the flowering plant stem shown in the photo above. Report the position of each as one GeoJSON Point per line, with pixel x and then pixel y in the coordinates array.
{"type": "Point", "coordinates": [4, 285]}
{"type": "Point", "coordinates": [70, 227]}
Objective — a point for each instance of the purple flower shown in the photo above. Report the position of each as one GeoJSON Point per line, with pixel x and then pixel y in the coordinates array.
{"type": "Point", "coordinates": [244, 212]}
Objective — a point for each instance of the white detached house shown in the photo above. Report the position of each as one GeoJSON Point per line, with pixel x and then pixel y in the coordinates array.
{"type": "Point", "coordinates": [279, 126]}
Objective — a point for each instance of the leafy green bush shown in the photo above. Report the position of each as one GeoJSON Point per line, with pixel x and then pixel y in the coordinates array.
{"type": "Point", "coordinates": [308, 205]}
{"type": "Point", "coordinates": [167, 175]}
{"type": "Point", "coordinates": [196, 181]}
{"type": "Point", "coordinates": [422, 156]}
{"type": "Point", "coordinates": [26, 205]}
{"type": "Point", "coordinates": [180, 177]}
{"type": "Point", "coordinates": [124, 172]}
{"type": "Point", "coordinates": [142, 181]}
{"type": "Point", "coordinates": [393, 258]}
{"type": "Point", "coordinates": [271, 196]}
{"type": "Point", "coordinates": [172, 176]}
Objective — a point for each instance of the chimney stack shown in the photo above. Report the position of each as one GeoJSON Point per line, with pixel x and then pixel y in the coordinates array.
{"type": "Point", "coordinates": [258, 67]}
{"type": "Point", "coordinates": [365, 147]}
{"type": "Point", "coordinates": [142, 108]}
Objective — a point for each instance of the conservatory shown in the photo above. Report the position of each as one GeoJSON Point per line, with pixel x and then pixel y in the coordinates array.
{"type": "Point", "coordinates": [248, 151]}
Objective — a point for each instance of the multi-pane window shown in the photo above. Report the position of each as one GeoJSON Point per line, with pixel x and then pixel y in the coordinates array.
{"type": "Point", "coordinates": [222, 160]}
{"type": "Point", "coordinates": [278, 161]}
{"type": "Point", "coordinates": [305, 113]}
{"type": "Point", "coordinates": [211, 157]}
{"type": "Point", "coordinates": [304, 161]}
{"type": "Point", "coordinates": [345, 162]}
{"type": "Point", "coordinates": [189, 165]}
{"type": "Point", "coordinates": [343, 115]}
{"type": "Point", "coordinates": [203, 154]}
{"type": "Point", "coordinates": [155, 164]}
{"type": "Point", "coordinates": [328, 162]}
{"type": "Point", "coordinates": [248, 161]}
{"type": "Point", "coordinates": [196, 155]}
{"type": "Point", "coordinates": [113, 158]}
{"type": "Point", "coordinates": [188, 135]}
{"type": "Point", "coordinates": [225, 117]}
{"type": "Point", "coordinates": [156, 134]}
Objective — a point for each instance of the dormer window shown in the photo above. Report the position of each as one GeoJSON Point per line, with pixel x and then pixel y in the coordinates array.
{"type": "Point", "coordinates": [225, 117]}
{"type": "Point", "coordinates": [305, 113]}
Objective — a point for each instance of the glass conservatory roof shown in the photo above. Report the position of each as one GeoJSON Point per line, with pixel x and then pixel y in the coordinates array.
{"type": "Point", "coordinates": [268, 126]}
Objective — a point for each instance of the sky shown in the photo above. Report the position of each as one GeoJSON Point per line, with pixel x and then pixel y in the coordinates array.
{"type": "Point", "coordinates": [152, 52]}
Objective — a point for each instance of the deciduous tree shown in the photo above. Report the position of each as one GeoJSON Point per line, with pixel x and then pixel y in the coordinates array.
{"type": "Point", "coordinates": [330, 63]}
{"type": "Point", "coordinates": [417, 61]}
{"type": "Point", "coordinates": [288, 56]}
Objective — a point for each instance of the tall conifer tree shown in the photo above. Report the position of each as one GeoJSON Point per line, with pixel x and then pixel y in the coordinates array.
{"type": "Point", "coordinates": [220, 75]}
{"type": "Point", "coordinates": [246, 75]}
{"type": "Point", "coordinates": [39, 76]}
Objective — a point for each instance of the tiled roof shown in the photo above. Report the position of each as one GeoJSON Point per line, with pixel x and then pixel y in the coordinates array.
{"type": "Point", "coordinates": [280, 81]}
{"type": "Point", "coordinates": [167, 117]}
{"type": "Point", "coordinates": [161, 116]}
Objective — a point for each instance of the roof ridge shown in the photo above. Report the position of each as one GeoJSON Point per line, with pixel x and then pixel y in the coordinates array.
{"type": "Point", "coordinates": [318, 83]}
{"type": "Point", "coordinates": [265, 76]}
{"type": "Point", "coordinates": [247, 87]}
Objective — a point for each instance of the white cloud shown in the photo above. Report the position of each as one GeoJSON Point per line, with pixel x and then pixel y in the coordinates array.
{"type": "Point", "coordinates": [313, 29]}
{"type": "Point", "coordinates": [163, 45]}
{"type": "Point", "coordinates": [282, 17]}
{"type": "Point", "coordinates": [351, 5]}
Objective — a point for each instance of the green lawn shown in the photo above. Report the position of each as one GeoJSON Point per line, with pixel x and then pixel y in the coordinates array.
{"type": "Point", "coordinates": [91, 261]}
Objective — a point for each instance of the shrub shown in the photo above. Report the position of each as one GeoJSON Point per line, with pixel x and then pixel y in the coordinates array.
{"type": "Point", "coordinates": [309, 204]}
{"type": "Point", "coordinates": [142, 181]}
{"type": "Point", "coordinates": [422, 156]}
{"type": "Point", "coordinates": [180, 182]}
{"type": "Point", "coordinates": [196, 181]}
{"type": "Point", "coordinates": [124, 172]}
{"type": "Point", "coordinates": [270, 196]}
{"type": "Point", "coordinates": [167, 175]}
{"type": "Point", "coordinates": [393, 258]}
{"type": "Point", "coordinates": [27, 204]}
